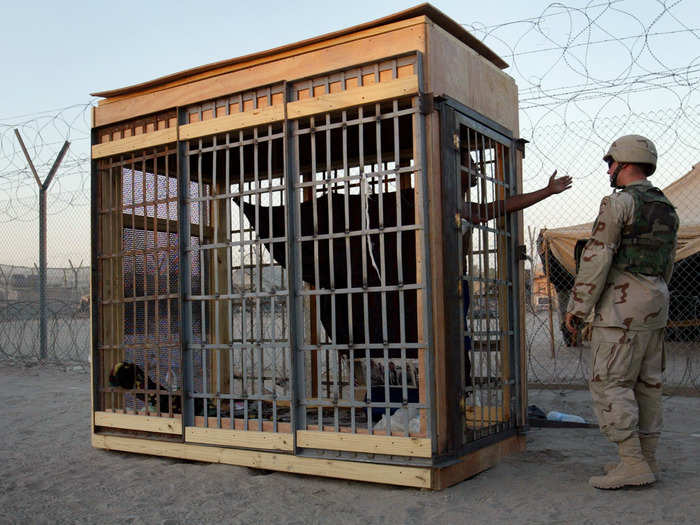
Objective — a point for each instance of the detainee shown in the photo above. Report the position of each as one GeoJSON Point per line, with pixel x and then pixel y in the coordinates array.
{"type": "Point", "coordinates": [623, 280]}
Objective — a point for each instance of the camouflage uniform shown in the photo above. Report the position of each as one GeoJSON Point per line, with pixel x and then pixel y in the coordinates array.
{"type": "Point", "coordinates": [630, 313]}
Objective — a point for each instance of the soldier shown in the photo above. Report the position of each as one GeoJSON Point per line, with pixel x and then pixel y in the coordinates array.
{"type": "Point", "coordinates": [625, 268]}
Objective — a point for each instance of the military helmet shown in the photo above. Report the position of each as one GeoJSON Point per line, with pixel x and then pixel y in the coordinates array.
{"type": "Point", "coordinates": [633, 149]}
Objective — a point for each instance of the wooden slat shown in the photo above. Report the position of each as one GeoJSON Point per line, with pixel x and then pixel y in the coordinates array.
{"type": "Point", "coordinates": [420, 477]}
{"type": "Point", "coordinates": [246, 119]}
{"type": "Point", "coordinates": [387, 41]}
{"type": "Point", "coordinates": [163, 425]}
{"type": "Point", "coordinates": [138, 222]}
{"type": "Point", "coordinates": [434, 193]}
{"type": "Point", "coordinates": [489, 415]}
{"type": "Point", "coordinates": [147, 140]}
{"type": "Point", "coordinates": [353, 97]}
{"type": "Point", "coordinates": [477, 461]}
{"type": "Point", "coordinates": [239, 438]}
{"type": "Point", "coordinates": [396, 446]}
{"type": "Point", "coordinates": [460, 72]}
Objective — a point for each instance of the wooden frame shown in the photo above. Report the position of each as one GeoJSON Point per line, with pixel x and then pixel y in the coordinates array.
{"type": "Point", "coordinates": [451, 63]}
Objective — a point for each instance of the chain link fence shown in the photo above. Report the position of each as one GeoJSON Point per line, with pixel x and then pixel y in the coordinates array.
{"type": "Point", "coordinates": [558, 228]}
{"type": "Point", "coordinates": [569, 127]}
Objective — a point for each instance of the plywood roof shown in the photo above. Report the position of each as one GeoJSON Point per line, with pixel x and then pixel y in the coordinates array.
{"type": "Point", "coordinates": [437, 16]}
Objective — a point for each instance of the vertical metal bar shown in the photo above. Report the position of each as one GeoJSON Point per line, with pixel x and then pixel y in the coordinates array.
{"type": "Point", "coordinates": [42, 273]}
{"type": "Point", "coordinates": [348, 266]}
{"type": "Point", "coordinates": [185, 277]}
{"type": "Point", "coordinates": [516, 320]}
{"type": "Point", "coordinates": [215, 267]}
{"type": "Point", "coordinates": [229, 278]}
{"type": "Point", "coordinates": [364, 237]}
{"type": "Point", "coordinates": [380, 189]}
{"type": "Point", "coordinates": [399, 259]}
{"type": "Point", "coordinates": [258, 281]}
{"type": "Point", "coordinates": [331, 270]}
{"type": "Point", "coordinates": [296, 303]}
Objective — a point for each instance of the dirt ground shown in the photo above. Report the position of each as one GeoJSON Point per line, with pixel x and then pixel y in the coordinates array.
{"type": "Point", "coordinates": [49, 473]}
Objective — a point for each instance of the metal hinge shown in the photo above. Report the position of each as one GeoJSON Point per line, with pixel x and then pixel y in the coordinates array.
{"type": "Point", "coordinates": [455, 140]}
{"type": "Point", "coordinates": [425, 103]}
{"type": "Point", "coordinates": [522, 253]}
{"type": "Point", "coordinates": [520, 145]}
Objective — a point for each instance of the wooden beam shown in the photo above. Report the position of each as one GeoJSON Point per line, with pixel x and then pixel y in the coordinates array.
{"type": "Point", "coordinates": [246, 119]}
{"type": "Point", "coordinates": [164, 425]}
{"type": "Point", "coordinates": [460, 72]}
{"type": "Point", "coordinates": [139, 222]}
{"type": "Point", "coordinates": [386, 41]}
{"type": "Point", "coordinates": [353, 97]}
{"type": "Point", "coordinates": [239, 438]}
{"type": "Point", "coordinates": [478, 461]}
{"type": "Point", "coordinates": [434, 192]}
{"type": "Point", "coordinates": [146, 140]}
{"type": "Point", "coordinates": [420, 477]}
{"type": "Point", "coordinates": [391, 445]}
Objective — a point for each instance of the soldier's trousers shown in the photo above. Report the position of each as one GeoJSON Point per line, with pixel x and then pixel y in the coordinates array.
{"type": "Point", "coordinates": [626, 381]}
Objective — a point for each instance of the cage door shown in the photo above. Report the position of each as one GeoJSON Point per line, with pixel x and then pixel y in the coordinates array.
{"type": "Point", "coordinates": [482, 271]}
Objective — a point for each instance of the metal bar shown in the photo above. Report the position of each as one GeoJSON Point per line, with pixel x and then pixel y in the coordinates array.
{"type": "Point", "coordinates": [29, 159]}
{"type": "Point", "coordinates": [185, 276]}
{"type": "Point", "coordinates": [258, 280]}
{"type": "Point", "coordinates": [229, 277]}
{"type": "Point", "coordinates": [294, 283]}
{"type": "Point", "coordinates": [56, 163]}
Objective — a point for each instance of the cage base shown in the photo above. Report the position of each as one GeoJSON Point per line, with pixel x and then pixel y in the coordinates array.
{"type": "Point", "coordinates": [420, 477]}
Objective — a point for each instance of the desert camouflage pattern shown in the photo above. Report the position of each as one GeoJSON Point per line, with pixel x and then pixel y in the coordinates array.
{"type": "Point", "coordinates": [626, 381]}
{"type": "Point", "coordinates": [617, 297]}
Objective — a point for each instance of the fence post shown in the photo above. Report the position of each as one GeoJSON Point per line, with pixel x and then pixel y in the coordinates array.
{"type": "Point", "coordinates": [43, 189]}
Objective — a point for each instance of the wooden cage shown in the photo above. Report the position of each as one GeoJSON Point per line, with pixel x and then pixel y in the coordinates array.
{"type": "Point", "coordinates": [283, 275]}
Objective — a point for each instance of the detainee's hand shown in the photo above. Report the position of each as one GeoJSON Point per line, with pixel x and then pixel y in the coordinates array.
{"type": "Point", "coordinates": [572, 322]}
{"type": "Point", "coordinates": [557, 185]}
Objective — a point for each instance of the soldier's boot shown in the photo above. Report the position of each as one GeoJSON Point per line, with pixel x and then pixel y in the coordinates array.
{"type": "Point", "coordinates": [648, 444]}
{"type": "Point", "coordinates": [632, 470]}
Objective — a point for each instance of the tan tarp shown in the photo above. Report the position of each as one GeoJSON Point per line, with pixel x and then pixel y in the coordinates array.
{"type": "Point", "coordinates": [685, 196]}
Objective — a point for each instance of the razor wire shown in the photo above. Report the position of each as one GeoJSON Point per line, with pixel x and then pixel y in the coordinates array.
{"type": "Point", "coordinates": [586, 73]}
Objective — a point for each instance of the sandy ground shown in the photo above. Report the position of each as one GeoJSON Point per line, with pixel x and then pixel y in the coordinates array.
{"type": "Point", "coordinates": [50, 474]}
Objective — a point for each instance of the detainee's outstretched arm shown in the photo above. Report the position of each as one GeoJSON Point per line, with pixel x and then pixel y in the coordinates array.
{"type": "Point", "coordinates": [476, 213]}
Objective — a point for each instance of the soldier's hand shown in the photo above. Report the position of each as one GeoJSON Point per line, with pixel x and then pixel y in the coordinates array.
{"type": "Point", "coordinates": [572, 323]}
{"type": "Point", "coordinates": [557, 185]}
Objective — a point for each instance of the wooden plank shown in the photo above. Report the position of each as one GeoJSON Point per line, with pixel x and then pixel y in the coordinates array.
{"type": "Point", "coordinates": [490, 414]}
{"type": "Point", "coordinates": [395, 446]}
{"type": "Point", "coordinates": [353, 97]}
{"type": "Point", "coordinates": [476, 462]}
{"type": "Point", "coordinates": [388, 41]}
{"type": "Point", "coordinates": [239, 423]}
{"type": "Point", "coordinates": [148, 140]}
{"type": "Point", "coordinates": [434, 192]}
{"type": "Point", "coordinates": [138, 222]}
{"type": "Point", "coordinates": [247, 119]}
{"type": "Point", "coordinates": [418, 196]}
{"type": "Point", "coordinates": [164, 425]}
{"type": "Point", "coordinates": [420, 477]}
{"type": "Point", "coordinates": [460, 72]}
{"type": "Point", "coordinates": [239, 438]}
